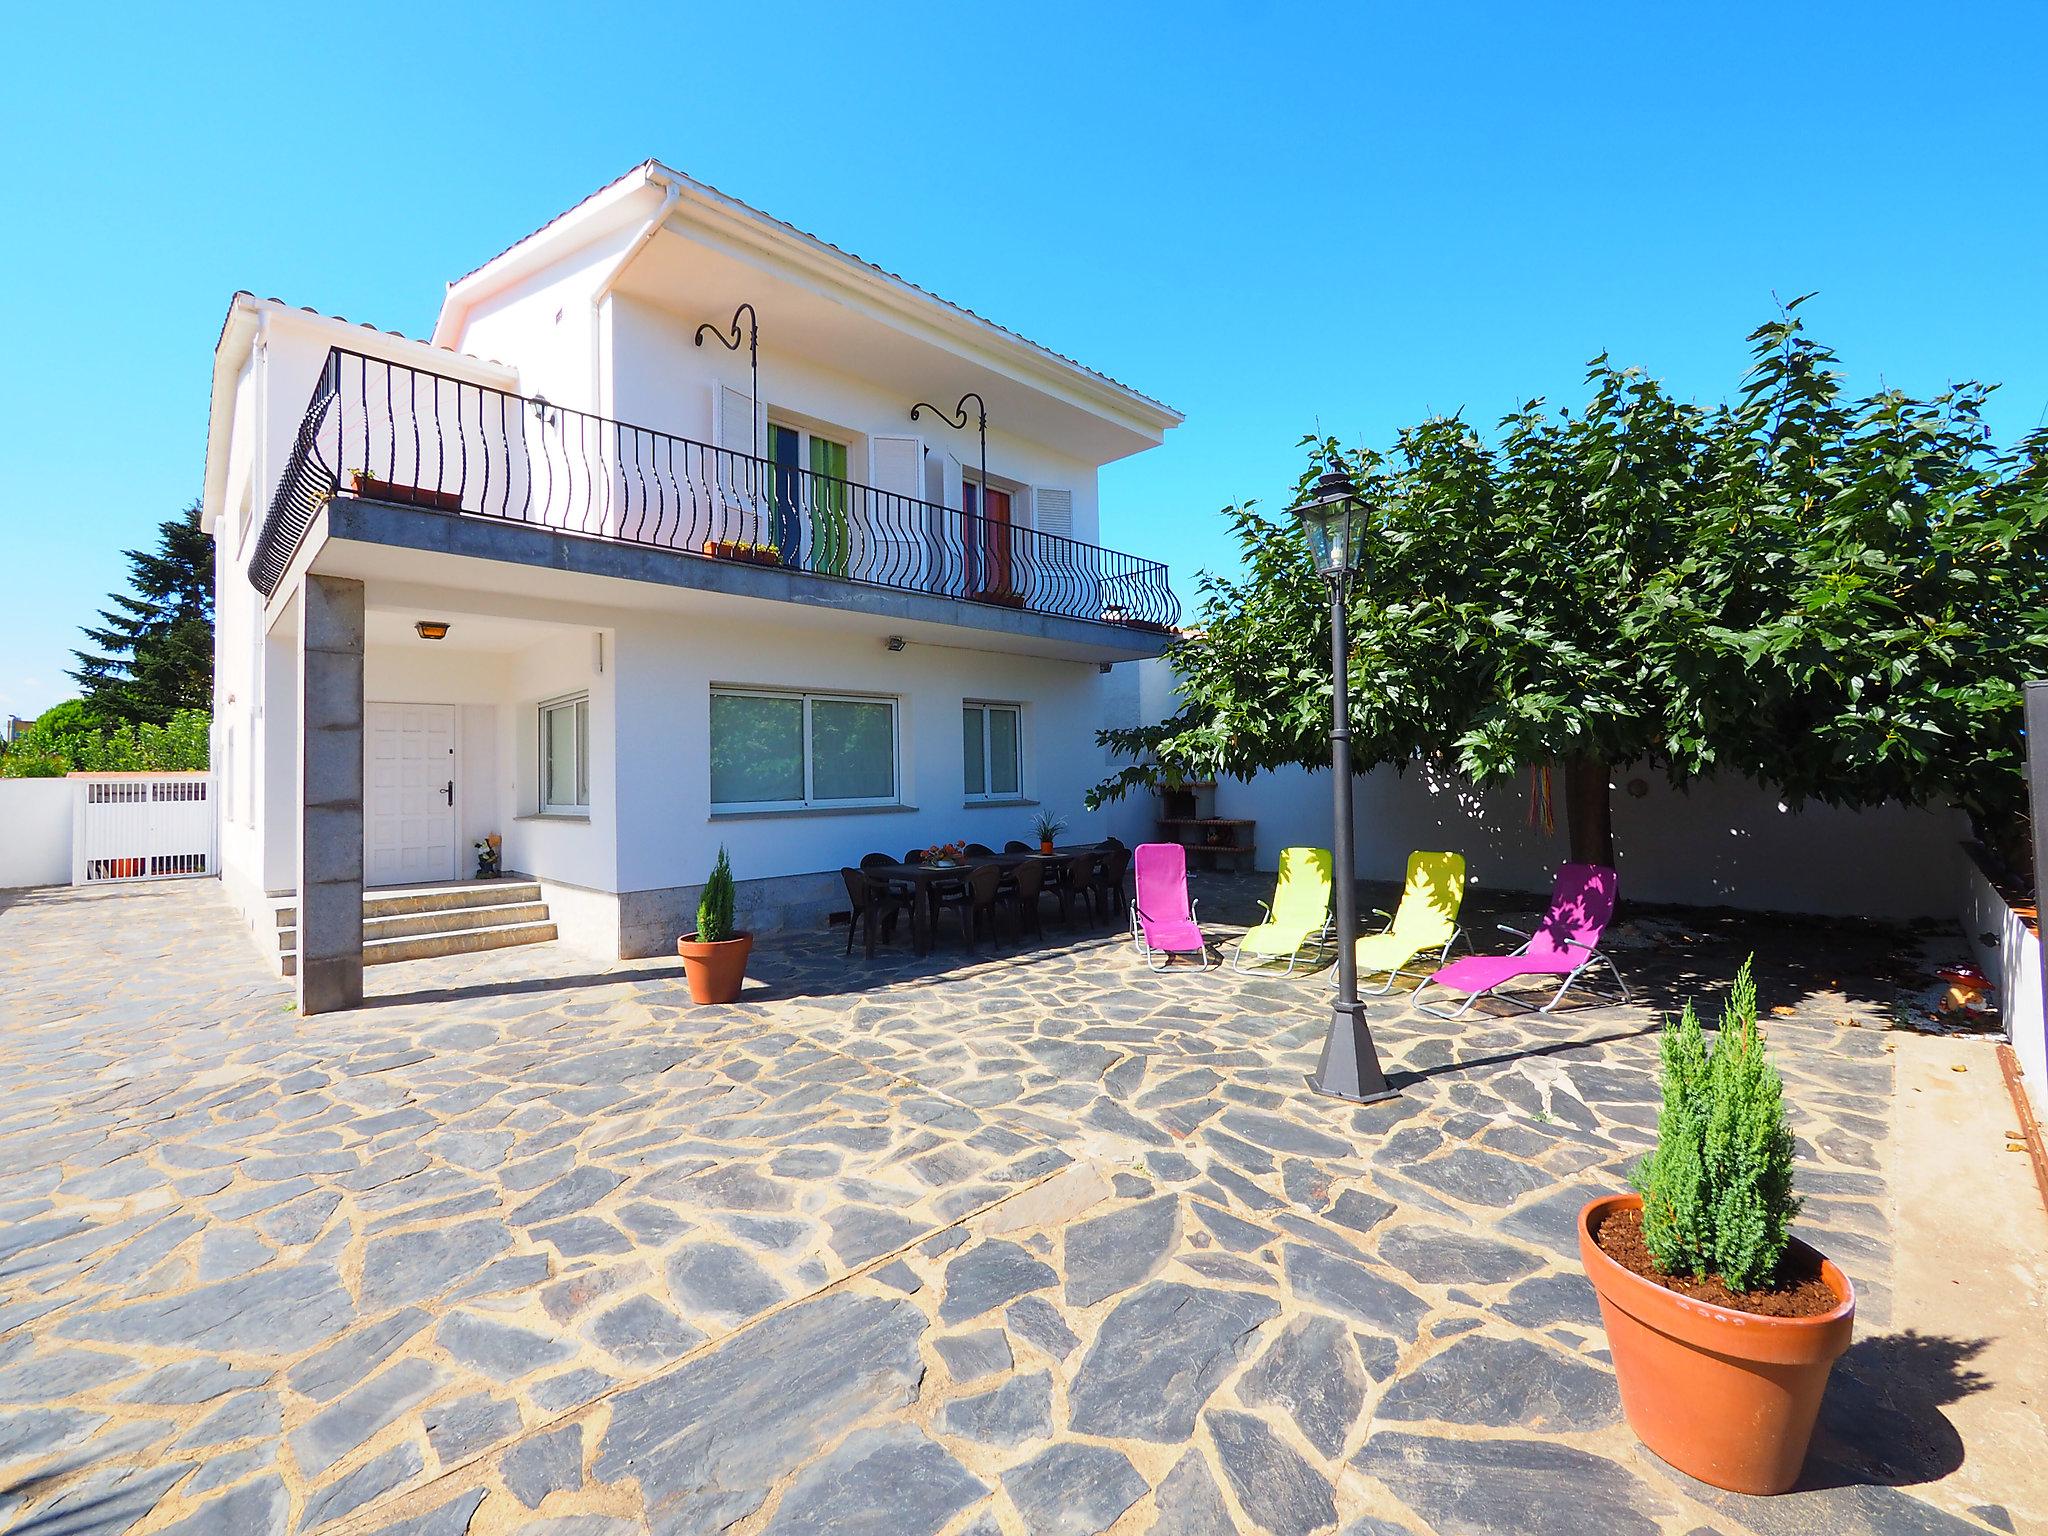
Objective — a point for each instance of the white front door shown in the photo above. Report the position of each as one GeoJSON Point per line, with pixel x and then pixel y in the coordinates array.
{"type": "Point", "coordinates": [409, 794]}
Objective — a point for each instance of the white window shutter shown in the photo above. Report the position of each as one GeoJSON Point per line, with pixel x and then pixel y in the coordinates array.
{"type": "Point", "coordinates": [895, 463]}
{"type": "Point", "coordinates": [742, 511]}
{"type": "Point", "coordinates": [737, 428]}
{"type": "Point", "coordinates": [894, 535]}
{"type": "Point", "coordinates": [1053, 511]}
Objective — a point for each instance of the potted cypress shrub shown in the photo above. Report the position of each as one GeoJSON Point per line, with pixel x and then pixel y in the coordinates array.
{"type": "Point", "coordinates": [1723, 1326]}
{"type": "Point", "coordinates": [715, 957]}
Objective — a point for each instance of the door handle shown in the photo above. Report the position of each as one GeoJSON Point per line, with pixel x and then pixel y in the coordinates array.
{"type": "Point", "coordinates": [450, 791]}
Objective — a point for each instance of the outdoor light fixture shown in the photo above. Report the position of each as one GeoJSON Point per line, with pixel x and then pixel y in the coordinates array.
{"type": "Point", "coordinates": [431, 629]}
{"type": "Point", "coordinates": [958, 422]}
{"type": "Point", "coordinates": [895, 642]}
{"type": "Point", "coordinates": [752, 339]}
{"type": "Point", "coordinates": [1332, 518]}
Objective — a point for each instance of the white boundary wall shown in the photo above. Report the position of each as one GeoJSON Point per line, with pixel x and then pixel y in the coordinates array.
{"type": "Point", "coordinates": [2009, 952]}
{"type": "Point", "coordinates": [35, 832]}
{"type": "Point", "coordinates": [1719, 842]}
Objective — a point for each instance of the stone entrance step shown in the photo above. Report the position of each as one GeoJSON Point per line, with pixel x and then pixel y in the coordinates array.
{"type": "Point", "coordinates": [419, 922]}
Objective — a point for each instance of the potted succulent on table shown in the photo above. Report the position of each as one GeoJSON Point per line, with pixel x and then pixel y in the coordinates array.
{"type": "Point", "coordinates": [1723, 1326]}
{"type": "Point", "coordinates": [715, 957]}
{"type": "Point", "coordinates": [1047, 829]}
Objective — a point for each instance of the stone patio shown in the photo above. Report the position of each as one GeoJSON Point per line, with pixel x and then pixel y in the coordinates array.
{"type": "Point", "coordinates": [1030, 1242]}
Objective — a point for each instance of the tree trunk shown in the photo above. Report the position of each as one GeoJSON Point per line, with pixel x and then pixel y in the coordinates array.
{"type": "Point", "coordinates": [1589, 812]}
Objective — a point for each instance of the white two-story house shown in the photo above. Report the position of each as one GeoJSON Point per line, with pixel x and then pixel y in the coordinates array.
{"type": "Point", "coordinates": [645, 553]}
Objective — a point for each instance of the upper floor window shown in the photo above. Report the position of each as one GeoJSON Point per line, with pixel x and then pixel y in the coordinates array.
{"type": "Point", "coordinates": [811, 496]}
{"type": "Point", "coordinates": [772, 750]}
{"type": "Point", "coordinates": [992, 749]}
{"type": "Point", "coordinates": [565, 756]}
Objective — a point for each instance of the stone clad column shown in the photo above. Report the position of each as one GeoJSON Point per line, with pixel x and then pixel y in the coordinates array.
{"type": "Point", "coordinates": [330, 939]}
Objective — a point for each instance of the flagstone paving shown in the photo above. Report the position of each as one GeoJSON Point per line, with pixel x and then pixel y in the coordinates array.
{"type": "Point", "coordinates": [1021, 1243]}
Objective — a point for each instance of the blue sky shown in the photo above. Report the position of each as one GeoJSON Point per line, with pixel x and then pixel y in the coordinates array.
{"type": "Point", "coordinates": [1277, 218]}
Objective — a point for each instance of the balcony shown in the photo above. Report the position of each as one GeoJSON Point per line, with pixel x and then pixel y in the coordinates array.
{"type": "Point", "coordinates": [390, 433]}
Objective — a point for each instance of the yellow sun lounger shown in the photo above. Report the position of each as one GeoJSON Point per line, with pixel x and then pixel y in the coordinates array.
{"type": "Point", "coordinates": [1299, 914]}
{"type": "Point", "coordinates": [1426, 922]}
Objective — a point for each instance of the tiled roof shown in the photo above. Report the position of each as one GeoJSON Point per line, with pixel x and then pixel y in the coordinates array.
{"type": "Point", "coordinates": [361, 325]}
{"type": "Point", "coordinates": [894, 277]}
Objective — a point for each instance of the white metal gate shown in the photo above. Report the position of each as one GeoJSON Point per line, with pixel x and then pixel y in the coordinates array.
{"type": "Point", "coordinates": [143, 826]}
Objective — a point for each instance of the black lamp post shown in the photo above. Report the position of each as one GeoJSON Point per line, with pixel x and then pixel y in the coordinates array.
{"type": "Point", "coordinates": [1333, 517]}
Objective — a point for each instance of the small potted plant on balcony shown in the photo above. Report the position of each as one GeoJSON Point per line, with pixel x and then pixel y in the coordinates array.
{"type": "Point", "coordinates": [715, 957]}
{"type": "Point", "coordinates": [370, 488]}
{"type": "Point", "coordinates": [1047, 828]}
{"type": "Point", "coordinates": [1723, 1326]}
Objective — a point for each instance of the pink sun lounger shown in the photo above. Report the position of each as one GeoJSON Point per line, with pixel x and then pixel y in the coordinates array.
{"type": "Point", "coordinates": [1162, 918]}
{"type": "Point", "coordinates": [1566, 944]}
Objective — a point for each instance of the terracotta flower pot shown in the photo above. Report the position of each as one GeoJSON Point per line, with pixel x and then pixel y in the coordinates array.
{"type": "Point", "coordinates": [1727, 1397]}
{"type": "Point", "coordinates": [716, 972]}
{"type": "Point", "coordinates": [1045, 845]}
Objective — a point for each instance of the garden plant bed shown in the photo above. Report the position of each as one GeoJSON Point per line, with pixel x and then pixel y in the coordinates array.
{"type": "Point", "coordinates": [1801, 1291]}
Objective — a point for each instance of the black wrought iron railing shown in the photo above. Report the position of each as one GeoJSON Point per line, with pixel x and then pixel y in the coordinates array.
{"type": "Point", "coordinates": [388, 432]}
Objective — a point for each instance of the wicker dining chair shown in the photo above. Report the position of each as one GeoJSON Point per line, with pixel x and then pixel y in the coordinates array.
{"type": "Point", "coordinates": [875, 905]}
{"type": "Point", "coordinates": [979, 851]}
{"type": "Point", "coordinates": [1075, 877]}
{"type": "Point", "coordinates": [1021, 893]}
{"type": "Point", "coordinates": [1013, 846]}
{"type": "Point", "coordinates": [970, 899]}
{"type": "Point", "coordinates": [1110, 873]}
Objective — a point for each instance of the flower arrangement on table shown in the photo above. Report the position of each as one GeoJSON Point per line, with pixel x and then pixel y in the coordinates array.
{"type": "Point", "coordinates": [944, 854]}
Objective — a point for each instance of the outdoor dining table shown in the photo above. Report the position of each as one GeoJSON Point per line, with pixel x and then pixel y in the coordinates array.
{"type": "Point", "coordinates": [923, 878]}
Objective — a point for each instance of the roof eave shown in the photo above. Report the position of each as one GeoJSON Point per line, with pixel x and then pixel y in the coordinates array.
{"type": "Point", "coordinates": [570, 230]}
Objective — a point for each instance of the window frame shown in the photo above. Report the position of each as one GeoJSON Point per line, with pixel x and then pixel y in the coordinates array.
{"type": "Point", "coordinates": [580, 732]}
{"type": "Point", "coordinates": [988, 795]}
{"type": "Point", "coordinates": [809, 698]}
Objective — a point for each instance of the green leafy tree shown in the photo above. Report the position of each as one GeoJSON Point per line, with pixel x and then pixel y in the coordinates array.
{"type": "Point", "coordinates": [1836, 596]}
{"type": "Point", "coordinates": [155, 644]}
{"type": "Point", "coordinates": [1717, 1188]}
{"type": "Point", "coordinates": [70, 737]}
{"type": "Point", "coordinates": [1894, 598]}
{"type": "Point", "coordinates": [66, 734]}
{"type": "Point", "coordinates": [180, 744]}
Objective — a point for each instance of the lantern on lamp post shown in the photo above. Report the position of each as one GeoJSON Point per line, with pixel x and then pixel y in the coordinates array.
{"type": "Point", "coordinates": [1333, 518]}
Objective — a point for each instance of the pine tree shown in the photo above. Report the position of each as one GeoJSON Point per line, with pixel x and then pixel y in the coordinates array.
{"type": "Point", "coordinates": [1749, 1149]}
{"type": "Point", "coordinates": [1673, 1178]}
{"type": "Point", "coordinates": [714, 907]}
{"type": "Point", "coordinates": [1717, 1188]}
{"type": "Point", "coordinates": [156, 645]}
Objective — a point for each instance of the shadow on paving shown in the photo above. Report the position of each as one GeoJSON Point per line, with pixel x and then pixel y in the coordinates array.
{"type": "Point", "coordinates": [1034, 1236]}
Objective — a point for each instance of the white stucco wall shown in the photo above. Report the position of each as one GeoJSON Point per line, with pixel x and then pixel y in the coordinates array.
{"type": "Point", "coordinates": [2009, 952]}
{"type": "Point", "coordinates": [666, 670]}
{"type": "Point", "coordinates": [1721, 842]}
{"type": "Point", "coordinates": [661, 379]}
{"type": "Point", "coordinates": [35, 832]}
{"type": "Point", "coordinates": [546, 326]}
